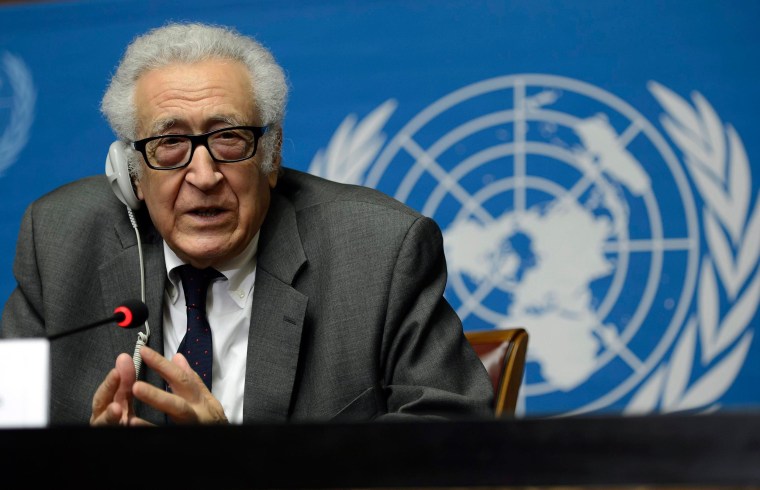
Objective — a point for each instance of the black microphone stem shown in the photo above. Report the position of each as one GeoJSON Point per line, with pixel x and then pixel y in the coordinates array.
{"type": "Point", "coordinates": [116, 318]}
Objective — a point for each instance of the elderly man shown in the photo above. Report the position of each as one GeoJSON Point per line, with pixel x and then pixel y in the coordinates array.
{"type": "Point", "coordinates": [325, 301]}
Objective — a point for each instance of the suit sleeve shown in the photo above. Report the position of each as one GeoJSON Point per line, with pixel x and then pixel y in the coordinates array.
{"type": "Point", "coordinates": [22, 314]}
{"type": "Point", "coordinates": [429, 366]}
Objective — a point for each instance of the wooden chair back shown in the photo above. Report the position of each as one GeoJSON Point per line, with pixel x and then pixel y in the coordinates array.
{"type": "Point", "coordinates": [503, 353]}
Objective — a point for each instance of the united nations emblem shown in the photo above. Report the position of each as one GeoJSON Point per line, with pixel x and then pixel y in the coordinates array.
{"type": "Point", "coordinates": [565, 211]}
{"type": "Point", "coordinates": [17, 99]}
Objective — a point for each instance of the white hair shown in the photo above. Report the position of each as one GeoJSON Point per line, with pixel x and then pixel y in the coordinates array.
{"type": "Point", "coordinates": [190, 43]}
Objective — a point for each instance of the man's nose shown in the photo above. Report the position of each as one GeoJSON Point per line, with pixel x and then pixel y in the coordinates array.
{"type": "Point", "coordinates": [203, 172]}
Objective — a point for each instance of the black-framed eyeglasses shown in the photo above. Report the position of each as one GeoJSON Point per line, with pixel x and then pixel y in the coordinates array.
{"type": "Point", "coordinates": [226, 145]}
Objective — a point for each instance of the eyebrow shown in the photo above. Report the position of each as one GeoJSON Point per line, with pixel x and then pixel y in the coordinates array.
{"type": "Point", "coordinates": [164, 124]}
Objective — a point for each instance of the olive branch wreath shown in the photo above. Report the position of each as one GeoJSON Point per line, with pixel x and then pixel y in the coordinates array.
{"type": "Point", "coordinates": [22, 103]}
{"type": "Point", "coordinates": [353, 147]}
{"type": "Point", "coordinates": [717, 163]}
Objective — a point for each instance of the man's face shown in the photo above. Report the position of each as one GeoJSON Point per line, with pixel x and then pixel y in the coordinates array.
{"type": "Point", "coordinates": [206, 212]}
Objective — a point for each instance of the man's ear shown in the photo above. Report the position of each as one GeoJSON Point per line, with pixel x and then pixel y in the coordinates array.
{"type": "Point", "coordinates": [138, 189]}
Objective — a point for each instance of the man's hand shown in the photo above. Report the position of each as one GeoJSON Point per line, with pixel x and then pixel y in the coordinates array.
{"type": "Point", "coordinates": [187, 402]}
{"type": "Point", "coordinates": [112, 402]}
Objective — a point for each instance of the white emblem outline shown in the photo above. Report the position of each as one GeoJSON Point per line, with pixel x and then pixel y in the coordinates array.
{"type": "Point", "coordinates": [16, 135]}
{"type": "Point", "coordinates": [733, 324]}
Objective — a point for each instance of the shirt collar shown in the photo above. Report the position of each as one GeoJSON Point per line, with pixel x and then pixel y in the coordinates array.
{"type": "Point", "coordinates": [238, 271]}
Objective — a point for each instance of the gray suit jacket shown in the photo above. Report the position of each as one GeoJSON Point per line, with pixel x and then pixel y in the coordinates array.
{"type": "Point", "coordinates": [349, 320]}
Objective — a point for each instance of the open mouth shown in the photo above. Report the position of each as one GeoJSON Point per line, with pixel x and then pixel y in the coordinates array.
{"type": "Point", "coordinates": [207, 212]}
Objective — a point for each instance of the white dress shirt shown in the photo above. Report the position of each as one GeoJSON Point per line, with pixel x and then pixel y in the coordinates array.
{"type": "Point", "coordinates": [228, 307]}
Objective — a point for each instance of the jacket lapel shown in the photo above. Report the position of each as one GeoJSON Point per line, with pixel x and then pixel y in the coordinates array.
{"type": "Point", "coordinates": [277, 320]}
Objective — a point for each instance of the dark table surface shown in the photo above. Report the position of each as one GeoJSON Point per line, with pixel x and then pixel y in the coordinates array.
{"type": "Point", "coordinates": [670, 451]}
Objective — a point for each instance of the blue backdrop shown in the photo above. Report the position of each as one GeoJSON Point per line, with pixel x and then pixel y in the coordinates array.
{"type": "Point", "coordinates": [593, 165]}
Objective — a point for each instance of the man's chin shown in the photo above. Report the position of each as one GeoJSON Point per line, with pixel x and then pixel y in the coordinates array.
{"type": "Point", "coordinates": [203, 254]}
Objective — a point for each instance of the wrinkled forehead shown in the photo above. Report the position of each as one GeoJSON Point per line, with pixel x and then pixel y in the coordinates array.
{"type": "Point", "coordinates": [194, 96]}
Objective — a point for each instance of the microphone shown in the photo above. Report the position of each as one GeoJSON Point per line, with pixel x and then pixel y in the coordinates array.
{"type": "Point", "coordinates": [130, 313]}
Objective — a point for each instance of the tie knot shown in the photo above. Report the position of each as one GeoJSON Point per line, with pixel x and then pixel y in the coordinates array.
{"type": "Point", "coordinates": [195, 284]}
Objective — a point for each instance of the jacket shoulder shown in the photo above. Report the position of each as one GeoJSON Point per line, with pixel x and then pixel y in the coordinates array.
{"type": "Point", "coordinates": [306, 191]}
{"type": "Point", "coordinates": [83, 193]}
{"type": "Point", "coordinates": [85, 204]}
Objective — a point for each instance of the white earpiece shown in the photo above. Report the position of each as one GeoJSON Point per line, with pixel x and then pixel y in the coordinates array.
{"type": "Point", "coordinates": [117, 171]}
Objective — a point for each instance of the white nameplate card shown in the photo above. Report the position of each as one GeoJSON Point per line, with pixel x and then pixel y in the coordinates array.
{"type": "Point", "coordinates": [24, 383]}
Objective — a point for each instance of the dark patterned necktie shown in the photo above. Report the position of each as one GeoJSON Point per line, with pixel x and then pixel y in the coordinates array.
{"type": "Point", "coordinates": [196, 346]}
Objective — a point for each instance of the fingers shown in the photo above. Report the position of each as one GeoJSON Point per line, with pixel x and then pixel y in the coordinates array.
{"type": "Point", "coordinates": [112, 402]}
{"type": "Point", "coordinates": [177, 373]}
{"type": "Point", "coordinates": [176, 407]}
{"type": "Point", "coordinates": [181, 361]}
{"type": "Point", "coordinates": [103, 398]}
{"type": "Point", "coordinates": [194, 385]}
{"type": "Point", "coordinates": [189, 401]}
{"type": "Point", "coordinates": [126, 367]}
{"type": "Point", "coordinates": [186, 388]}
